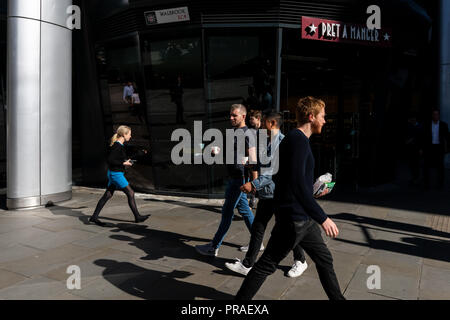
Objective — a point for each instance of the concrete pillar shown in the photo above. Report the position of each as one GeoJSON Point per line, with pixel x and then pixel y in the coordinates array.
{"type": "Point", "coordinates": [39, 114]}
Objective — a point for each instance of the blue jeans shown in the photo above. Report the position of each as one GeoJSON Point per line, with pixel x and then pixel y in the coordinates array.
{"type": "Point", "coordinates": [234, 198]}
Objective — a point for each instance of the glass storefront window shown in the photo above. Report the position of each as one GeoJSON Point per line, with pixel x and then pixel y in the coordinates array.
{"type": "Point", "coordinates": [240, 69]}
{"type": "Point", "coordinates": [174, 92]}
{"type": "Point", "coordinates": [119, 66]}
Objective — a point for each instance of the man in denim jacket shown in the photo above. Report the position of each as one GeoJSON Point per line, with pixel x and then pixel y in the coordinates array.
{"type": "Point", "coordinates": [265, 187]}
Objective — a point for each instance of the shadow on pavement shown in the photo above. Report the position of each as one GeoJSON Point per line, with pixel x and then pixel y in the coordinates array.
{"type": "Point", "coordinates": [396, 197]}
{"type": "Point", "coordinates": [157, 244]}
{"type": "Point", "coordinates": [155, 285]}
{"type": "Point", "coordinates": [211, 208]}
{"type": "Point", "coordinates": [400, 226]}
{"type": "Point", "coordinates": [419, 246]}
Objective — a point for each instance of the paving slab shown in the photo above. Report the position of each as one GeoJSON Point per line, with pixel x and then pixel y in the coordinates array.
{"type": "Point", "coordinates": [401, 261]}
{"type": "Point", "coordinates": [25, 235]}
{"type": "Point", "coordinates": [40, 262]}
{"type": "Point", "coordinates": [345, 267]}
{"type": "Point", "coordinates": [16, 252]}
{"type": "Point", "coordinates": [365, 295]}
{"type": "Point", "coordinates": [39, 288]}
{"type": "Point", "coordinates": [394, 282]}
{"type": "Point", "coordinates": [8, 224]}
{"type": "Point", "coordinates": [57, 225]}
{"type": "Point", "coordinates": [305, 288]}
{"type": "Point", "coordinates": [435, 283]}
{"type": "Point", "coordinates": [8, 278]}
{"type": "Point", "coordinates": [56, 239]}
{"type": "Point", "coordinates": [370, 211]}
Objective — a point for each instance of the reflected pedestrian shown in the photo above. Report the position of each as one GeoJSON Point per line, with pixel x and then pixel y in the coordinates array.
{"type": "Point", "coordinates": [412, 142]}
{"type": "Point", "coordinates": [128, 91]}
{"type": "Point", "coordinates": [252, 102]}
{"type": "Point", "coordinates": [137, 107]}
{"type": "Point", "coordinates": [176, 94]}
{"type": "Point", "coordinates": [434, 147]}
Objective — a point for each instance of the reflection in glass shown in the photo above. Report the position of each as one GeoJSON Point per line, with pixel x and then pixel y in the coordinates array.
{"type": "Point", "coordinates": [123, 104]}
{"type": "Point", "coordinates": [174, 89]}
{"type": "Point", "coordinates": [240, 69]}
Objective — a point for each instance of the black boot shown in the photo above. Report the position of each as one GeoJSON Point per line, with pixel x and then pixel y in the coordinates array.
{"type": "Point", "coordinates": [96, 221]}
{"type": "Point", "coordinates": [141, 218]}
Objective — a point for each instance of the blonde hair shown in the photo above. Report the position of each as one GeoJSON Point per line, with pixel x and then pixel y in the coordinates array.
{"type": "Point", "coordinates": [120, 132]}
{"type": "Point", "coordinates": [240, 107]}
{"type": "Point", "coordinates": [306, 106]}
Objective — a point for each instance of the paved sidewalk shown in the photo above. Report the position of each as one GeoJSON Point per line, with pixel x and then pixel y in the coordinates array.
{"type": "Point", "coordinates": [157, 259]}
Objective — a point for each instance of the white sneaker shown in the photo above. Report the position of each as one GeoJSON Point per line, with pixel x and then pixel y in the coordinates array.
{"type": "Point", "coordinates": [297, 269]}
{"type": "Point", "coordinates": [245, 248]}
{"type": "Point", "coordinates": [207, 250]}
{"type": "Point", "coordinates": [238, 267]}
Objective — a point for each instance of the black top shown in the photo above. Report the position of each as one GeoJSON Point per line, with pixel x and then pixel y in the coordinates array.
{"type": "Point", "coordinates": [294, 180]}
{"type": "Point", "coordinates": [238, 170]}
{"type": "Point", "coordinates": [116, 157]}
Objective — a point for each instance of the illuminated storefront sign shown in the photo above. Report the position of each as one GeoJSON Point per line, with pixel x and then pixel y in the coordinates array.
{"type": "Point", "coordinates": [337, 31]}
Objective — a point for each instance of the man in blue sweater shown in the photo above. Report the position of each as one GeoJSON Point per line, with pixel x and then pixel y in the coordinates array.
{"type": "Point", "coordinates": [296, 211]}
{"type": "Point", "coordinates": [264, 187]}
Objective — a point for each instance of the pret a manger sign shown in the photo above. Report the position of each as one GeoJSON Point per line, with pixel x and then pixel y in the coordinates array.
{"type": "Point", "coordinates": [338, 31]}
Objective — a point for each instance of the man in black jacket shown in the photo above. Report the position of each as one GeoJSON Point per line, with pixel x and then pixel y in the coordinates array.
{"type": "Point", "coordinates": [296, 211]}
{"type": "Point", "coordinates": [434, 147]}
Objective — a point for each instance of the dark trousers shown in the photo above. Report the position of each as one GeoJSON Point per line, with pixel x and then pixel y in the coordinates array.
{"type": "Point", "coordinates": [434, 158]}
{"type": "Point", "coordinates": [264, 213]}
{"type": "Point", "coordinates": [180, 110]}
{"type": "Point", "coordinates": [413, 156]}
{"type": "Point", "coordinates": [286, 235]}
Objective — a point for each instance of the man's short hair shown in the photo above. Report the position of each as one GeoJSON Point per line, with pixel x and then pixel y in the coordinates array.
{"type": "Point", "coordinates": [256, 114]}
{"type": "Point", "coordinates": [240, 107]}
{"type": "Point", "coordinates": [306, 106]}
{"type": "Point", "coordinates": [274, 116]}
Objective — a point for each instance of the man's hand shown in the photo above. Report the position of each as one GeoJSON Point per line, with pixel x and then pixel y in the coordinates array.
{"type": "Point", "coordinates": [330, 228]}
{"type": "Point", "coordinates": [324, 192]}
{"type": "Point", "coordinates": [247, 188]}
{"type": "Point", "coordinates": [127, 163]}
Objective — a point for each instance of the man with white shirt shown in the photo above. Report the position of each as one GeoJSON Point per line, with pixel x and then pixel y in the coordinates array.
{"type": "Point", "coordinates": [434, 147]}
{"type": "Point", "coordinates": [128, 91]}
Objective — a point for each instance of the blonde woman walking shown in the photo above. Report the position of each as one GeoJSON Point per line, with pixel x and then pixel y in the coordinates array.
{"type": "Point", "coordinates": [117, 160]}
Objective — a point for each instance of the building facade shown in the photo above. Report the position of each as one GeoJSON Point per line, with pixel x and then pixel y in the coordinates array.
{"type": "Point", "coordinates": [228, 52]}
{"type": "Point", "coordinates": [266, 54]}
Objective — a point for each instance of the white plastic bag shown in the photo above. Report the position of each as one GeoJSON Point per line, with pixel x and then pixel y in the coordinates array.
{"type": "Point", "coordinates": [321, 183]}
